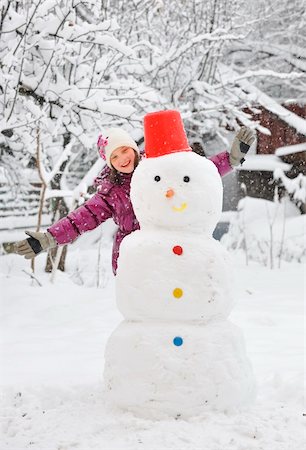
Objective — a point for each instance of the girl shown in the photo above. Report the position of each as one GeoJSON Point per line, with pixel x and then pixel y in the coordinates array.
{"type": "Point", "coordinates": [112, 200]}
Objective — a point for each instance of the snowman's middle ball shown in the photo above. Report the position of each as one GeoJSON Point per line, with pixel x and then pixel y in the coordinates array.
{"type": "Point", "coordinates": [179, 190]}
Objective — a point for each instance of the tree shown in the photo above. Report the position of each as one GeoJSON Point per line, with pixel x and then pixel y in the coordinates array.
{"type": "Point", "coordinates": [274, 44]}
{"type": "Point", "coordinates": [59, 74]}
{"type": "Point", "coordinates": [185, 47]}
{"type": "Point", "coordinates": [60, 79]}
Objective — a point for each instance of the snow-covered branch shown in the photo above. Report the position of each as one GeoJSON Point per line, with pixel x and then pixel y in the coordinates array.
{"type": "Point", "coordinates": [296, 187]}
{"type": "Point", "coordinates": [62, 75]}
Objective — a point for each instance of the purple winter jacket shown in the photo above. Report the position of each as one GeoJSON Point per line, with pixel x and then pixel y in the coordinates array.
{"type": "Point", "coordinates": [111, 200]}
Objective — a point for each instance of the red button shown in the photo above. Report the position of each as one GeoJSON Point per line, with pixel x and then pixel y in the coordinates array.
{"type": "Point", "coordinates": [177, 250]}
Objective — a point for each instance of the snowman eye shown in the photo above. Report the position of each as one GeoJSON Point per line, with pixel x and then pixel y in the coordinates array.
{"type": "Point", "coordinates": [186, 179]}
{"type": "Point", "coordinates": [157, 178]}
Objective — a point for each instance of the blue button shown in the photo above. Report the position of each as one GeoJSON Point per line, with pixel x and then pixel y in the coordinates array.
{"type": "Point", "coordinates": [178, 341]}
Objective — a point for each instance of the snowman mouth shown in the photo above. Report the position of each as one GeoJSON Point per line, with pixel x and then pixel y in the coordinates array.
{"type": "Point", "coordinates": [181, 208]}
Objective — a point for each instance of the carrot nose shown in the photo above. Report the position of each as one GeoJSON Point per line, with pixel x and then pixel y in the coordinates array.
{"type": "Point", "coordinates": [170, 193]}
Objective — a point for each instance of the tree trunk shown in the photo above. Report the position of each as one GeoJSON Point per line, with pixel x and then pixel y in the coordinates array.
{"type": "Point", "coordinates": [52, 252]}
{"type": "Point", "coordinates": [60, 210]}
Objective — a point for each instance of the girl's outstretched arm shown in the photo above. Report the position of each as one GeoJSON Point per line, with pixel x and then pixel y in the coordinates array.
{"type": "Point", "coordinates": [242, 142]}
{"type": "Point", "coordinates": [222, 162]}
{"type": "Point", "coordinates": [85, 218]}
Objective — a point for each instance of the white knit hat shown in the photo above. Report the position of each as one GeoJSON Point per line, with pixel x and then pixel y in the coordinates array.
{"type": "Point", "coordinates": [113, 139]}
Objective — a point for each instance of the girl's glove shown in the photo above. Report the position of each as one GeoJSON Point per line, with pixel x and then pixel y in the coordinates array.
{"type": "Point", "coordinates": [35, 244]}
{"type": "Point", "coordinates": [240, 146]}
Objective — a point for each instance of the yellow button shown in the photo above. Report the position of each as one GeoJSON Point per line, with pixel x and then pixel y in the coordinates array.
{"type": "Point", "coordinates": [177, 293]}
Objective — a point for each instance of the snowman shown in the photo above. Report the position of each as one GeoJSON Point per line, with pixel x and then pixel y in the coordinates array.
{"type": "Point", "coordinates": [176, 354]}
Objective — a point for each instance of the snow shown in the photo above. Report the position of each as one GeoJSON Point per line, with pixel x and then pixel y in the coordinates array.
{"type": "Point", "coordinates": [290, 149]}
{"type": "Point", "coordinates": [52, 344]}
{"type": "Point", "coordinates": [13, 224]}
{"type": "Point", "coordinates": [88, 179]}
{"type": "Point", "coordinates": [267, 232]}
{"type": "Point", "coordinates": [264, 162]}
{"type": "Point", "coordinates": [29, 174]}
{"type": "Point", "coordinates": [15, 21]}
{"type": "Point", "coordinates": [229, 75]}
{"type": "Point", "coordinates": [296, 187]}
{"type": "Point", "coordinates": [227, 216]}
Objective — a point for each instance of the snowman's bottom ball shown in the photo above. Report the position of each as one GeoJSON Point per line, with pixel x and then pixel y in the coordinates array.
{"type": "Point", "coordinates": [177, 369]}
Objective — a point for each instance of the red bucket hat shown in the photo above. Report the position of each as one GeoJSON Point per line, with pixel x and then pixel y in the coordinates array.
{"type": "Point", "coordinates": [164, 133]}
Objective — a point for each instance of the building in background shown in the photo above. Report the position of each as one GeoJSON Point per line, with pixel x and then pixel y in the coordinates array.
{"type": "Point", "coordinates": [284, 148]}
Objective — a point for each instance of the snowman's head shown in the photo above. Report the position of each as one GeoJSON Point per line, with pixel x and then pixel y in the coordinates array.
{"type": "Point", "coordinates": [177, 191]}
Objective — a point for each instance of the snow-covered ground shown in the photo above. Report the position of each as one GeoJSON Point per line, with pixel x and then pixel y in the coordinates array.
{"type": "Point", "coordinates": [52, 345]}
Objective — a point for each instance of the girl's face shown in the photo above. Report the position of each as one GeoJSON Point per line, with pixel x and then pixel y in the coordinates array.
{"type": "Point", "coordinates": [123, 159]}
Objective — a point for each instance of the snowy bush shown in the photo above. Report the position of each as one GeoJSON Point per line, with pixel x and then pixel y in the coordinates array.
{"type": "Point", "coordinates": [296, 187]}
{"type": "Point", "coordinates": [267, 232]}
